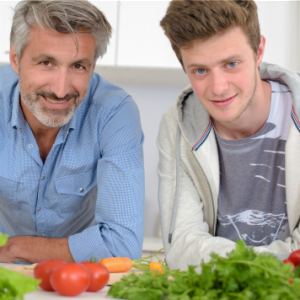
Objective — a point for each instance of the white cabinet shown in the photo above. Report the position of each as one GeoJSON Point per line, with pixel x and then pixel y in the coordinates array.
{"type": "Point", "coordinates": [139, 41]}
{"type": "Point", "coordinates": [6, 15]}
{"type": "Point", "coordinates": [110, 10]}
{"type": "Point", "coordinates": [279, 23]}
{"type": "Point", "coordinates": [142, 42]}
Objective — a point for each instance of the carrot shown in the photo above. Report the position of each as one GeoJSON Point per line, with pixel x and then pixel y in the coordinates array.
{"type": "Point", "coordinates": [117, 264]}
{"type": "Point", "coordinates": [154, 265]}
{"type": "Point", "coordinates": [124, 264]}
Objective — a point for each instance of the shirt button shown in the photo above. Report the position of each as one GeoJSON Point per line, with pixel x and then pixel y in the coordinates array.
{"type": "Point", "coordinates": [43, 234]}
{"type": "Point", "coordinates": [81, 190]}
{"type": "Point", "coordinates": [30, 145]}
{"type": "Point", "coordinates": [43, 178]}
{"type": "Point", "coordinates": [39, 209]}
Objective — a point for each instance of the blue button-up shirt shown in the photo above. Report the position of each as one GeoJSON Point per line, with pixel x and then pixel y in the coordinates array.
{"type": "Point", "coordinates": [91, 186]}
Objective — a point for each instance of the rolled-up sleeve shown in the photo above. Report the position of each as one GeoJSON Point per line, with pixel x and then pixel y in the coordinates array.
{"type": "Point", "coordinates": [119, 210]}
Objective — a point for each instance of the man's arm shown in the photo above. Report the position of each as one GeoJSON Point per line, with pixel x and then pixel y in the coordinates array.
{"type": "Point", "coordinates": [35, 249]}
{"type": "Point", "coordinates": [121, 194]}
{"type": "Point", "coordinates": [191, 240]}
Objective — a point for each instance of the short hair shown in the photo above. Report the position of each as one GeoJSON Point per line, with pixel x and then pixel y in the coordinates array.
{"type": "Point", "coordinates": [62, 16]}
{"type": "Point", "coordinates": [189, 20]}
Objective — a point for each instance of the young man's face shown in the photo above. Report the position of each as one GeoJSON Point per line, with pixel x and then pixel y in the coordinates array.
{"type": "Point", "coordinates": [223, 72]}
{"type": "Point", "coordinates": [54, 78]}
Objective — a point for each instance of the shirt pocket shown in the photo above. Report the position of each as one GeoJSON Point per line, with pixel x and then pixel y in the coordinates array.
{"type": "Point", "coordinates": [73, 190]}
{"type": "Point", "coordinates": [8, 192]}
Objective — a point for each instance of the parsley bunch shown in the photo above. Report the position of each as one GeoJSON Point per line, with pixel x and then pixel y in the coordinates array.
{"type": "Point", "coordinates": [243, 274]}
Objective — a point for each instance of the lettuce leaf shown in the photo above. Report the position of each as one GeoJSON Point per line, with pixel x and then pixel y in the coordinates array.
{"type": "Point", "coordinates": [3, 239]}
{"type": "Point", "coordinates": [14, 285]}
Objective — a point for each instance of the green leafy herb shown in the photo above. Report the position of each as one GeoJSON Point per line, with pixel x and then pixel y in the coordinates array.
{"type": "Point", "coordinates": [243, 274]}
{"type": "Point", "coordinates": [3, 239]}
{"type": "Point", "coordinates": [14, 285]}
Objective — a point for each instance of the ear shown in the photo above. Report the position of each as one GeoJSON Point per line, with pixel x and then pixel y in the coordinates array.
{"type": "Point", "coordinates": [13, 59]}
{"type": "Point", "coordinates": [261, 50]}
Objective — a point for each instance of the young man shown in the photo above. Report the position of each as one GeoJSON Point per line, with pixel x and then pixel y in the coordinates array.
{"type": "Point", "coordinates": [229, 162]}
{"type": "Point", "coordinates": [71, 160]}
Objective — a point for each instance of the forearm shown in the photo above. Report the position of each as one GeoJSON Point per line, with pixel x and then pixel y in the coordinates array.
{"type": "Point", "coordinates": [35, 249]}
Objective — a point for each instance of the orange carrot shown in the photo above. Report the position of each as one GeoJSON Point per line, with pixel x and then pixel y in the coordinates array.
{"type": "Point", "coordinates": [124, 264]}
{"type": "Point", "coordinates": [117, 264]}
{"type": "Point", "coordinates": [154, 265]}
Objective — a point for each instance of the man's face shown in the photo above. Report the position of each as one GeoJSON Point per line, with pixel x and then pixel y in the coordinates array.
{"type": "Point", "coordinates": [54, 78]}
{"type": "Point", "coordinates": [223, 72]}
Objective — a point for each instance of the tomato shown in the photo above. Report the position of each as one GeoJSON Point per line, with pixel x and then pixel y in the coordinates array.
{"type": "Point", "coordinates": [99, 276]}
{"type": "Point", "coordinates": [295, 257]}
{"type": "Point", "coordinates": [42, 271]}
{"type": "Point", "coordinates": [70, 279]}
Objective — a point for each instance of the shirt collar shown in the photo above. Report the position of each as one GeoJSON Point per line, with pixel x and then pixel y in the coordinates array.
{"type": "Point", "coordinates": [17, 119]}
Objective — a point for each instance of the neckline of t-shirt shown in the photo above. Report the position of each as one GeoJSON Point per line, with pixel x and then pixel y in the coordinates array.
{"type": "Point", "coordinates": [250, 139]}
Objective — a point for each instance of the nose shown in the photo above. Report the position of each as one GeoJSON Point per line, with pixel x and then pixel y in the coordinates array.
{"type": "Point", "coordinates": [61, 83]}
{"type": "Point", "coordinates": [218, 83]}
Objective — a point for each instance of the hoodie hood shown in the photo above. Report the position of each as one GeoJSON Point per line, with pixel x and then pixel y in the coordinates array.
{"type": "Point", "coordinates": [194, 121]}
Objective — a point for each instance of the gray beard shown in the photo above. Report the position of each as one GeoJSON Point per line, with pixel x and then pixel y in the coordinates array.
{"type": "Point", "coordinates": [47, 116]}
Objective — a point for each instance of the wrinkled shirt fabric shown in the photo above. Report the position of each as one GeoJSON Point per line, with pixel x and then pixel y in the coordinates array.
{"type": "Point", "coordinates": [91, 186]}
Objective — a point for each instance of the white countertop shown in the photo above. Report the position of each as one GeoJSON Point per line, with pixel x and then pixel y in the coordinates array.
{"type": "Point", "coordinates": [43, 295]}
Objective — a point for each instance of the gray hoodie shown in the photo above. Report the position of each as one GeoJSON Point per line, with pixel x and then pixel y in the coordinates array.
{"type": "Point", "coordinates": [189, 178]}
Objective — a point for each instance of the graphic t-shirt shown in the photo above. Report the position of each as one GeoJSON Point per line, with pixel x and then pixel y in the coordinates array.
{"type": "Point", "coordinates": [252, 198]}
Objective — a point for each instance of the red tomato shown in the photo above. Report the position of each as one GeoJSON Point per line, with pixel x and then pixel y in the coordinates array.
{"type": "Point", "coordinates": [42, 271]}
{"type": "Point", "coordinates": [99, 276]}
{"type": "Point", "coordinates": [295, 257]}
{"type": "Point", "coordinates": [70, 279]}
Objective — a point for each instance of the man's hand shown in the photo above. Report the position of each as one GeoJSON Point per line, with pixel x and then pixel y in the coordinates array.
{"type": "Point", "coordinates": [35, 249]}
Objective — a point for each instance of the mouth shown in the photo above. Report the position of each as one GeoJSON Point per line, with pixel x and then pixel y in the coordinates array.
{"type": "Point", "coordinates": [224, 102]}
{"type": "Point", "coordinates": [56, 101]}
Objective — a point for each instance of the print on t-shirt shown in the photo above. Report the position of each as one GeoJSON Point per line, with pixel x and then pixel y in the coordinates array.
{"type": "Point", "coordinates": [252, 199]}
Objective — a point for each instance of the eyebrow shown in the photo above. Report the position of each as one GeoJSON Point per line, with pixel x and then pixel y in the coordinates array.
{"type": "Point", "coordinates": [43, 57]}
{"type": "Point", "coordinates": [230, 58]}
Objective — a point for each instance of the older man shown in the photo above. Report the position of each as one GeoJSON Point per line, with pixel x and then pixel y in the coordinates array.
{"type": "Point", "coordinates": [71, 160]}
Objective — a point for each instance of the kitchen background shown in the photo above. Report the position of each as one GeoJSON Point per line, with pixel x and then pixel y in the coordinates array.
{"type": "Point", "coordinates": [140, 60]}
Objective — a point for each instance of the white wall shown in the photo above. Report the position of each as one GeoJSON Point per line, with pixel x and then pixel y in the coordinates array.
{"type": "Point", "coordinates": [152, 101]}
{"type": "Point", "coordinates": [279, 22]}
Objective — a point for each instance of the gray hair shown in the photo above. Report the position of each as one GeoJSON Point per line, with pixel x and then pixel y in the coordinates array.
{"type": "Point", "coordinates": [63, 16]}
